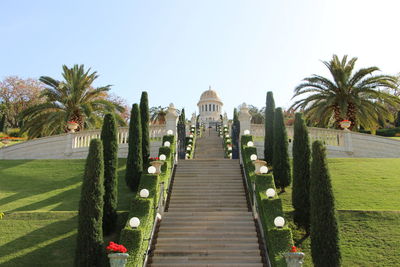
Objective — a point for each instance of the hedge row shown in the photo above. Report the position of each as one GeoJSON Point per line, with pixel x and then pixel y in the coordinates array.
{"type": "Point", "coordinates": [278, 241]}
{"type": "Point", "coordinates": [135, 240]}
{"type": "Point", "coordinates": [227, 141]}
{"type": "Point", "coordinates": [192, 142]}
{"type": "Point", "coordinates": [389, 132]}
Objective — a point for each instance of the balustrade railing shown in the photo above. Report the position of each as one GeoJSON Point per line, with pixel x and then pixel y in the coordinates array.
{"type": "Point", "coordinates": [82, 139]}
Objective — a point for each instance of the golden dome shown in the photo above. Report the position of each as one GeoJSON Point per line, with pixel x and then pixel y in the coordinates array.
{"type": "Point", "coordinates": [209, 95]}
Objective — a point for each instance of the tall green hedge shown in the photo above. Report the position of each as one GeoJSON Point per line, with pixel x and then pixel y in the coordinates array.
{"type": "Point", "coordinates": [109, 136]}
{"type": "Point", "coordinates": [324, 234]}
{"type": "Point", "coordinates": [89, 250]}
{"type": "Point", "coordinates": [301, 174]}
{"type": "Point", "coordinates": [134, 162]}
{"type": "Point", "coordinates": [269, 128]}
{"type": "Point", "coordinates": [145, 119]}
{"type": "Point", "coordinates": [280, 160]}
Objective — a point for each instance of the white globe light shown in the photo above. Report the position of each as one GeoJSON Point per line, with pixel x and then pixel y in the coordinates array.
{"type": "Point", "coordinates": [193, 126]}
{"type": "Point", "coordinates": [188, 148]}
{"type": "Point", "coordinates": [227, 136]}
{"type": "Point", "coordinates": [167, 143]}
{"type": "Point", "coordinates": [144, 193]}
{"type": "Point", "coordinates": [246, 132]}
{"type": "Point", "coordinates": [159, 216]}
{"type": "Point", "coordinates": [170, 132]}
{"type": "Point", "coordinates": [229, 148]}
{"type": "Point", "coordinates": [134, 222]}
{"type": "Point", "coordinates": [163, 157]}
{"type": "Point", "coordinates": [264, 169]}
{"type": "Point", "coordinates": [152, 170]}
{"type": "Point", "coordinates": [250, 143]}
{"type": "Point", "coordinates": [190, 145]}
{"type": "Point", "coordinates": [187, 155]}
{"type": "Point", "coordinates": [270, 192]}
{"type": "Point", "coordinates": [253, 157]}
{"type": "Point", "coordinates": [191, 136]}
{"type": "Point", "coordinates": [225, 125]}
{"type": "Point", "coordinates": [279, 222]}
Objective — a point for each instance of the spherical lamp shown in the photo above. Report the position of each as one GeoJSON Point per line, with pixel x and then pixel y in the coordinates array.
{"type": "Point", "coordinates": [279, 222]}
{"type": "Point", "coordinates": [151, 170]}
{"type": "Point", "coordinates": [250, 143]}
{"type": "Point", "coordinates": [191, 136]}
{"type": "Point", "coordinates": [163, 157]}
{"type": "Point", "coordinates": [170, 132]}
{"type": "Point", "coordinates": [246, 132]}
{"type": "Point", "coordinates": [263, 169]}
{"type": "Point", "coordinates": [253, 157]}
{"type": "Point", "coordinates": [134, 222]}
{"type": "Point", "coordinates": [144, 193]}
{"type": "Point", "coordinates": [159, 217]}
{"type": "Point", "coordinates": [167, 143]}
{"type": "Point", "coordinates": [270, 192]}
{"type": "Point", "coordinates": [227, 135]}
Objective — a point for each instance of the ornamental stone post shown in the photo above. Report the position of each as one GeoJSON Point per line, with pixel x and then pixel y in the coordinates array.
{"type": "Point", "coordinates": [171, 119]}
{"type": "Point", "coordinates": [225, 119]}
{"type": "Point", "coordinates": [294, 259]}
{"type": "Point", "coordinates": [244, 119]}
{"type": "Point", "coordinates": [193, 119]}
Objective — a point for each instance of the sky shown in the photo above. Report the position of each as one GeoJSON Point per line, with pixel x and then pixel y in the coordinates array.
{"type": "Point", "coordinates": [175, 50]}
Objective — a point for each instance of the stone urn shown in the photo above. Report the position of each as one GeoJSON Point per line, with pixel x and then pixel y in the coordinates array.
{"type": "Point", "coordinates": [258, 164]}
{"type": "Point", "coordinates": [345, 124]}
{"type": "Point", "coordinates": [157, 164]}
{"type": "Point", "coordinates": [294, 259]}
{"type": "Point", "coordinates": [72, 126]}
{"type": "Point", "coordinates": [118, 259]}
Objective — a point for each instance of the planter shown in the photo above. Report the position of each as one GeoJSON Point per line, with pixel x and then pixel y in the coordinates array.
{"type": "Point", "coordinates": [294, 259]}
{"type": "Point", "coordinates": [258, 164]}
{"type": "Point", "coordinates": [345, 124]}
{"type": "Point", "coordinates": [157, 164]}
{"type": "Point", "coordinates": [72, 126]}
{"type": "Point", "coordinates": [118, 259]}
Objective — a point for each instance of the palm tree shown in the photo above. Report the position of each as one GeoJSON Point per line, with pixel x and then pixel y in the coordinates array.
{"type": "Point", "coordinates": [73, 99]}
{"type": "Point", "coordinates": [157, 115]}
{"type": "Point", "coordinates": [355, 96]}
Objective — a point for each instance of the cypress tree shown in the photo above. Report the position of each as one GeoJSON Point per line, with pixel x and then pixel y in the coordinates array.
{"type": "Point", "coordinates": [110, 149]}
{"type": "Point", "coordinates": [301, 174]}
{"type": "Point", "coordinates": [269, 128]}
{"type": "Point", "coordinates": [235, 134]}
{"type": "Point", "coordinates": [325, 248]}
{"type": "Point", "coordinates": [145, 118]}
{"type": "Point", "coordinates": [182, 117]}
{"type": "Point", "coordinates": [134, 162]}
{"type": "Point", "coordinates": [89, 250]}
{"type": "Point", "coordinates": [397, 121]}
{"type": "Point", "coordinates": [280, 161]}
{"type": "Point", "coordinates": [2, 122]}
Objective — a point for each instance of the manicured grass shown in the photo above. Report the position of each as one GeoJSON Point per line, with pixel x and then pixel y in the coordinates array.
{"type": "Point", "coordinates": [367, 199]}
{"type": "Point", "coordinates": [396, 137]}
{"type": "Point", "coordinates": [48, 185]}
{"type": "Point", "coordinates": [9, 144]}
{"type": "Point", "coordinates": [40, 201]}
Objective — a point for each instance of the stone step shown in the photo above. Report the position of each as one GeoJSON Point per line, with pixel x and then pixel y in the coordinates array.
{"type": "Point", "coordinates": [208, 264]}
{"type": "Point", "coordinates": [201, 251]}
{"type": "Point", "coordinates": [207, 217]}
{"type": "Point", "coordinates": [216, 209]}
{"type": "Point", "coordinates": [205, 240]}
{"type": "Point", "coordinates": [208, 259]}
{"type": "Point", "coordinates": [209, 228]}
{"type": "Point", "coordinates": [200, 246]}
{"type": "Point", "coordinates": [193, 223]}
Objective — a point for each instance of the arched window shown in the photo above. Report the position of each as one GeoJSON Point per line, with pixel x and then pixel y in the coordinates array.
{"type": "Point", "coordinates": [206, 107]}
{"type": "Point", "coordinates": [209, 107]}
{"type": "Point", "coordinates": [213, 107]}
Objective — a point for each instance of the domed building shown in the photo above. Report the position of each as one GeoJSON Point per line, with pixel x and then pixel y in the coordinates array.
{"type": "Point", "coordinates": [210, 106]}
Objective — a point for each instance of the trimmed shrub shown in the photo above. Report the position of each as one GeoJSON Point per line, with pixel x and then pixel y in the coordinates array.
{"type": "Point", "coordinates": [301, 174]}
{"type": "Point", "coordinates": [324, 234]}
{"type": "Point", "coordinates": [89, 250]}
{"type": "Point", "coordinates": [269, 128]}
{"type": "Point", "coordinates": [134, 162]}
{"type": "Point", "coordinates": [280, 160]}
{"type": "Point", "coordinates": [145, 118]}
{"type": "Point", "coordinates": [110, 151]}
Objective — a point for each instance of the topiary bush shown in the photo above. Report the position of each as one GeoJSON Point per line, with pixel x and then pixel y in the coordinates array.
{"type": "Point", "coordinates": [109, 134]}
{"type": "Point", "coordinates": [89, 250]}
{"type": "Point", "coordinates": [145, 118]}
{"type": "Point", "coordinates": [269, 128]}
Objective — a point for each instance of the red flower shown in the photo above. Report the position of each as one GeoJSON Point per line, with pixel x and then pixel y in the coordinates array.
{"type": "Point", "coordinates": [115, 248]}
{"type": "Point", "coordinates": [72, 122]}
{"type": "Point", "coordinates": [294, 249]}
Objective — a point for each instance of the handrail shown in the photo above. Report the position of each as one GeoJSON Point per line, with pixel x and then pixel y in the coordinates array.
{"type": "Point", "coordinates": [251, 191]}
{"type": "Point", "coordinates": [160, 208]}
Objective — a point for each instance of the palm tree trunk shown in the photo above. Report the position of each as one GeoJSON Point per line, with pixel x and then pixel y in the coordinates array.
{"type": "Point", "coordinates": [337, 116]}
{"type": "Point", "coordinates": [351, 114]}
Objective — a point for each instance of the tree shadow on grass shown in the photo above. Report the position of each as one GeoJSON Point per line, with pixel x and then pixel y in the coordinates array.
{"type": "Point", "coordinates": [58, 253]}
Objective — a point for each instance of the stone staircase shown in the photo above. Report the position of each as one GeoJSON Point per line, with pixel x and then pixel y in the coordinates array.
{"type": "Point", "coordinates": [208, 222]}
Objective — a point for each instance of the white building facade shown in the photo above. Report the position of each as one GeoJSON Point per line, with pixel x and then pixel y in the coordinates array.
{"type": "Point", "coordinates": [210, 106]}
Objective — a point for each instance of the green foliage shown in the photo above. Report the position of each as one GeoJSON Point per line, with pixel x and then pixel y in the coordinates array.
{"type": "Point", "coordinates": [324, 227]}
{"type": "Point", "coordinates": [357, 96]}
{"type": "Point", "coordinates": [89, 250]}
{"type": "Point", "coordinates": [269, 128]}
{"type": "Point", "coordinates": [2, 123]}
{"type": "Point", "coordinates": [396, 122]}
{"type": "Point", "coordinates": [145, 118]}
{"type": "Point", "coordinates": [134, 164]}
{"type": "Point", "coordinates": [73, 99]}
{"type": "Point", "coordinates": [109, 134]}
{"type": "Point", "coordinates": [301, 174]}
{"type": "Point", "coordinates": [281, 157]}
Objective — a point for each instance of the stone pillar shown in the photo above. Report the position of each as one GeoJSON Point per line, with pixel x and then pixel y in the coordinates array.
{"type": "Point", "coordinates": [294, 259]}
{"type": "Point", "coordinates": [193, 119]}
{"type": "Point", "coordinates": [244, 118]}
{"type": "Point", "coordinates": [348, 143]}
{"type": "Point", "coordinates": [225, 120]}
{"type": "Point", "coordinates": [171, 119]}
{"type": "Point", "coordinates": [68, 144]}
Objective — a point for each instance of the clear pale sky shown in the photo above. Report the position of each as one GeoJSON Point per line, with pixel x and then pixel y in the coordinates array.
{"type": "Point", "coordinates": [176, 49]}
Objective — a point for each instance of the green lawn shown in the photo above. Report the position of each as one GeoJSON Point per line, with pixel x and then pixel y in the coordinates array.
{"type": "Point", "coordinates": [366, 193]}
{"type": "Point", "coordinates": [40, 201]}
